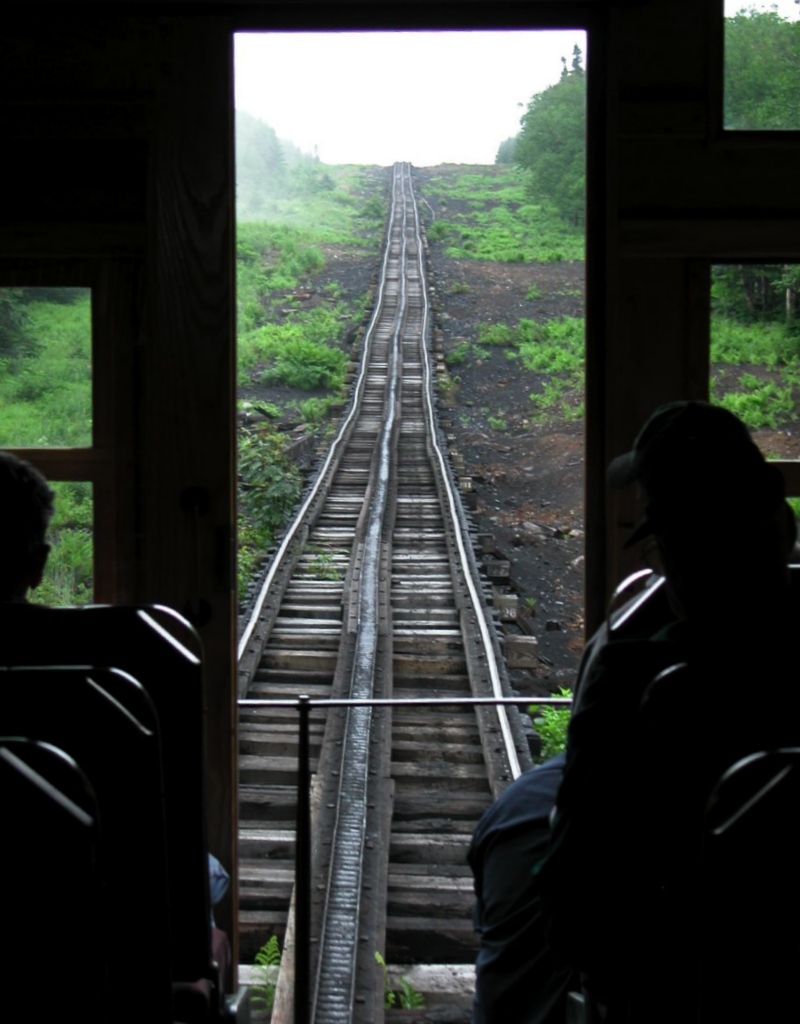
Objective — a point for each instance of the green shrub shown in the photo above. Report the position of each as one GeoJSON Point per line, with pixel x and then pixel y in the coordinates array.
{"type": "Point", "coordinates": [759, 344]}
{"type": "Point", "coordinates": [762, 404]}
{"type": "Point", "coordinates": [554, 346]}
{"type": "Point", "coordinates": [496, 334]}
{"type": "Point", "coordinates": [321, 565]}
{"type": "Point", "coordinates": [268, 488]}
{"type": "Point", "coordinates": [765, 400]}
{"type": "Point", "coordinates": [68, 577]}
{"type": "Point", "coordinates": [305, 364]}
{"type": "Point", "coordinates": [373, 209]}
{"type": "Point", "coordinates": [313, 410]}
{"type": "Point", "coordinates": [439, 230]}
{"type": "Point", "coordinates": [551, 725]}
{"type": "Point", "coordinates": [299, 352]}
{"type": "Point", "coordinates": [459, 354]}
{"type": "Point", "coordinates": [794, 505]}
{"type": "Point", "coordinates": [550, 396]}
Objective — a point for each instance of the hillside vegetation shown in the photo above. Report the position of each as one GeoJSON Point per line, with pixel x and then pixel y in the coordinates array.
{"type": "Point", "coordinates": [294, 329]}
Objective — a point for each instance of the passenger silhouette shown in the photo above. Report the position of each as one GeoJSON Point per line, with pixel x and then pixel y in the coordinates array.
{"type": "Point", "coordinates": [517, 976]}
{"type": "Point", "coordinates": [620, 885]}
{"type": "Point", "coordinates": [26, 508]}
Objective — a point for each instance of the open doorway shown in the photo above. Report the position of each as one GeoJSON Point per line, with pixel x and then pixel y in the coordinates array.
{"type": "Point", "coordinates": [501, 203]}
{"type": "Point", "coordinates": [494, 124]}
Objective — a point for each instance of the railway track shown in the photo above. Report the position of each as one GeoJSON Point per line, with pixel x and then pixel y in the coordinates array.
{"type": "Point", "coordinates": [374, 593]}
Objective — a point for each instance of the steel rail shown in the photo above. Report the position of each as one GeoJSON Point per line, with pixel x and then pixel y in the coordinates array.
{"type": "Point", "coordinates": [398, 702]}
{"type": "Point", "coordinates": [338, 943]}
{"type": "Point", "coordinates": [453, 502]}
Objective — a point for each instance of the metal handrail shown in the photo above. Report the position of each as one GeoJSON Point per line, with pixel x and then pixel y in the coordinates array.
{"type": "Point", "coordinates": [302, 871]}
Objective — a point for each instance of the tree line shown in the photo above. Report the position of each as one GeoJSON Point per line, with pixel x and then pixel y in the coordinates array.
{"type": "Point", "coordinates": [268, 166]}
{"type": "Point", "coordinates": [761, 92]}
{"type": "Point", "coordinates": [762, 72]}
{"type": "Point", "coordinates": [552, 142]}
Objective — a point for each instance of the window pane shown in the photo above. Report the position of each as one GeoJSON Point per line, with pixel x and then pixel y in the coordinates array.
{"type": "Point", "coordinates": [45, 367]}
{"type": "Point", "coordinates": [755, 350]}
{"type": "Point", "coordinates": [68, 576]}
{"type": "Point", "coordinates": [762, 65]}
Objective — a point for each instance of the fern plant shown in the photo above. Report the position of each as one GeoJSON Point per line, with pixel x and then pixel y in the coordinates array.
{"type": "Point", "coordinates": [410, 998]}
{"type": "Point", "coordinates": [389, 998]}
{"type": "Point", "coordinates": [267, 957]}
{"type": "Point", "coordinates": [406, 998]}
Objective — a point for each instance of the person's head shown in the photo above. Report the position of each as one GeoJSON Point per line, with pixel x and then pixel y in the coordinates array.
{"type": "Point", "coordinates": [26, 507]}
{"type": "Point", "coordinates": [713, 504]}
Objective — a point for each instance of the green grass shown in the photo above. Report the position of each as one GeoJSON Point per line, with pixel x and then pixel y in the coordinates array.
{"type": "Point", "coordinates": [461, 353]}
{"type": "Point", "coordinates": [45, 401]}
{"type": "Point", "coordinates": [764, 400]}
{"type": "Point", "coordinates": [553, 349]}
{"type": "Point", "coordinates": [501, 224]}
{"type": "Point", "coordinates": [68, 577]}
{"type": "Point", "coordinates": [348, 213]}
{"type": "Point", "coordinates": [769, 345]}
{"type": "Point", "coordinates": [46, 379]}
{"type": "Point", "coordinates": [270, 259]}
{"type": "Point", "coordinates": [760, 404]}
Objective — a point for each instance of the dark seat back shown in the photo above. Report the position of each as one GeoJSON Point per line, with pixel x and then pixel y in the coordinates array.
{"type": "Point", "coordinates": [51, 898]}
{"type": "Point", "coordinates": [141, 642]}
{"type": "Point", "coordinates": [751, 891]}
{"type": "Point", "coordinates": [104, 720]}
{"type": "Point", "coordinates": [639, 606]}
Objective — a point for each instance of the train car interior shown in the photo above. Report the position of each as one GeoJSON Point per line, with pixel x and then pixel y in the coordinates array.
{"type": "Point", "coordinates": [118, 176]}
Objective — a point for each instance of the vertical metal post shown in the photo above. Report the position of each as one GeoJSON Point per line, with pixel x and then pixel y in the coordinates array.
{"type": "Point", "coordinates": [302, 878]}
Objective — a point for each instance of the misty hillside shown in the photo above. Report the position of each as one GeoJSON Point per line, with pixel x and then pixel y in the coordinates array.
{"type": "Point", "coordinates": [267, 166]}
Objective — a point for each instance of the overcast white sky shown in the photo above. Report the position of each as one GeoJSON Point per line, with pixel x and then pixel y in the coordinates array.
{"type": "Point", "coordinates": [460, 98]}
{"type": "Point", "coordinates": [786, 8]}
{"type": "Point", "coordinates": [458, 102]}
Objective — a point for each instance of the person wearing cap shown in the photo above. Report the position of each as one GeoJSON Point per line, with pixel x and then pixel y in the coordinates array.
{"type": "Point", "coordinates": [619, 882]}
